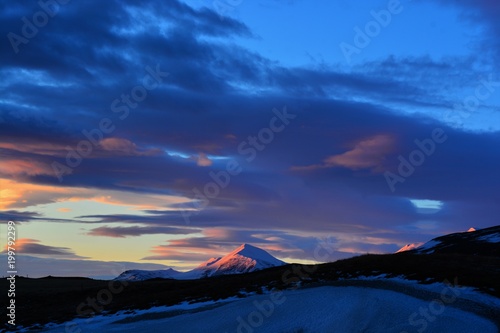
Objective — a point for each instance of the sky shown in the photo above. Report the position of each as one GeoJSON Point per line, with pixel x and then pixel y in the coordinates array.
{"type": "Point", "coordinates": [161, 134]}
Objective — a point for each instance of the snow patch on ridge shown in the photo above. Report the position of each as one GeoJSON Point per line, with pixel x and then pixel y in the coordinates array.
{"type": "Point", "coordinates": [409, 247]}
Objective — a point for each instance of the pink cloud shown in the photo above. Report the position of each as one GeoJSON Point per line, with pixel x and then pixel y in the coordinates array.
{"type": "Point", "coordinates": [191, 256]}
{"type": "Point", "coordinates": [125, 147]}
{"type": "Point", "coordinates": [19, 167]}
{"type": "Point", "coordinates": [366, 154]}
{"type": "Point", "coordinates": [41, 148]}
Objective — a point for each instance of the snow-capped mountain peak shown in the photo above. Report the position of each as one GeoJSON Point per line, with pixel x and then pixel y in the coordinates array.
{"type": "Point", "coordinates": [246, 258]}
{"type": "Point", "coordinates": [250, 251]}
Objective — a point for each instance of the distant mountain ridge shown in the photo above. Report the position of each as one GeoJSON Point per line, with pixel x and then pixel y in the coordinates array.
{"type": "Point", "coordinates": [485, 242]}
{"type": "Point", "coordinates": [244, 259]}
{"type": "Point", "coordinates": [142, 275]}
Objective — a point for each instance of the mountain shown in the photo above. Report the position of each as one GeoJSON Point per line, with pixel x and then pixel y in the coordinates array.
{"type": "Point", "coordinates": [141, 275]}
{"type": "Point", "coordinates": [484, 242]}
{"type": "Point", "coordinates": [409, 247]}
{"type": "Point", "coordinates": [244, 259]}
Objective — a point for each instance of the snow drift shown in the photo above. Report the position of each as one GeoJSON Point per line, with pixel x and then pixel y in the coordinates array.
{"type": "Point", "coordinates": [323, 309]}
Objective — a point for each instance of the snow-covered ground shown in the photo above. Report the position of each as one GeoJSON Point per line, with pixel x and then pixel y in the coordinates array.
{"type": "Point", "coordinates": [320, 309]}
{"type": "Point", "coordinates": [462, 292]}
{"type": "Point", "coordinates": [427, 247]}
{"type": "Point", "coordinates": [494, 238]}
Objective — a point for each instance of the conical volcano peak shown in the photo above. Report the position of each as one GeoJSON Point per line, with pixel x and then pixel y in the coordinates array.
{"type": "Point", "coordinates": [245, 258]}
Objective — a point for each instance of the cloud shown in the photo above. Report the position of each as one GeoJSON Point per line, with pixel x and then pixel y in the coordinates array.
{"type": "Point", "coordinates": [20, 167]}
{"type": "Point", "coordinates": [34, 247]}
{"type": "Point", "coordinates": [41, 148]}
{"type": "Point", "coordinates": [366, 154]}
{"type": "Point", "coordinates": [121, 232]}
{"type": "Point", "coordinates": [19, 194]}
{"type": "Point", "coordinates": [203, 160]}
{"type": "Point", "coordinates": [485, 14]}
{"type": "Point", "coordinates": [13, 215]}
{"type": "Point", "coordinates": [125, 147]}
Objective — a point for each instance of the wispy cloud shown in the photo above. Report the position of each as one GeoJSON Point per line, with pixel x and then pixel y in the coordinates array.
{"type": "Point", "coordinates": [28, 246]}
{"type": "Point", "coordinates": [121, 232]}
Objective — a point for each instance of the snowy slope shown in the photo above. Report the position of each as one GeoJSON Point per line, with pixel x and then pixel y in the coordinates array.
{"type": "Point", "coordinates": [319, 310]}
{"type": "Point", "coordinates": [484, 242]}
{"type": "Point", "coordinates": [429, 247]}
{"type": "Point", "coordinates": [409, 247]}
{"type": "Point", "coordinates": [492, 238]}
{"type": "Point", "coordinates": [244, 259]}
{"type": "Point", "coordinates": [141, 275]}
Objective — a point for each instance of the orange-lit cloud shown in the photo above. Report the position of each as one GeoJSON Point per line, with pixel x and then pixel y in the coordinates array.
{"type": "Point", "coordinates": [16, 194]}
{"type": "Point", "coordinates": [203, 160]}
{"type": "Point", "coordinates": [186, 255]}
{"type": "Point", "coordinates": [131, 200]}
{"type": "Point", "coordinates": [366, 154]}
{"type": "Point", "coordinates": [64, 210]}
{"type": "Point", "coordinates": [217, 233]}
